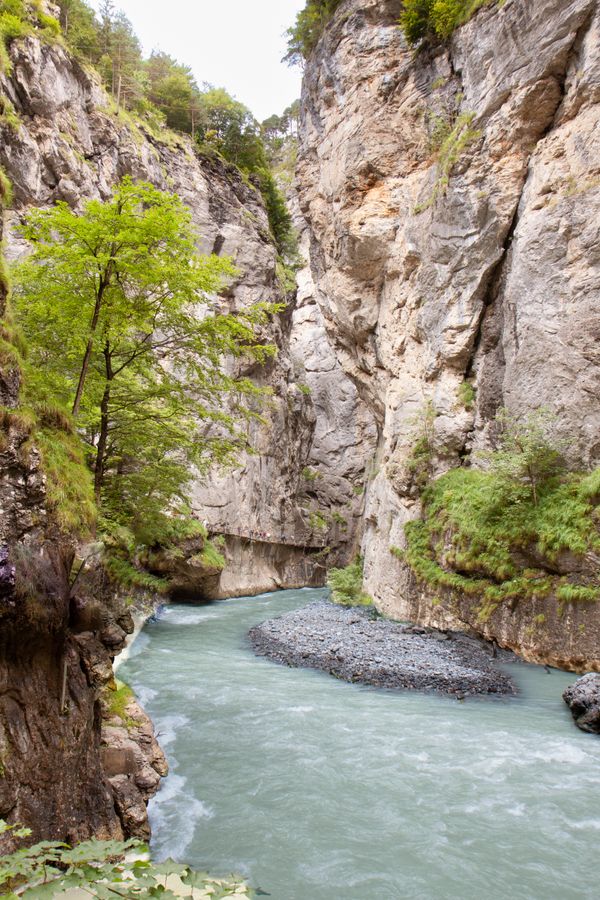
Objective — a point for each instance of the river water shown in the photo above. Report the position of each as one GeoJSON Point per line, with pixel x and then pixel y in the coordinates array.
{"type": "Point", "coordinates": [315, 789]}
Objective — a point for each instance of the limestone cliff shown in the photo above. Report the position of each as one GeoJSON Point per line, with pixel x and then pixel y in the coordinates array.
{"type": "Point", "coordinates": [451, 196]}
{"type": "Point", "coordinates": [61, 139]}
{"type": "Point", "coordinates": [302, 487]}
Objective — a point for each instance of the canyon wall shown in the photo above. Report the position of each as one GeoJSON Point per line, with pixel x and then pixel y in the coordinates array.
{"type": "Point", "coordinates": [69, 766]}
{"type": "Point", "coordinates": [303, 481]}
{"type": "Point", "coordinates": [451, 195]}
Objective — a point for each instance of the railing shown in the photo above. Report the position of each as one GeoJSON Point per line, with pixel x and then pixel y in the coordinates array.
{"type": "Point", "coordinates": [309, 542]}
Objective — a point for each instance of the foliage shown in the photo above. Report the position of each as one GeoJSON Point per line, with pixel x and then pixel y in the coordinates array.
{"type": "Point", "coordinates": [339, 519]}
{"type": "Point", "coordinates": [317, 521]}
{"type": "Point", "coordinates": [19, 18]}
{"type": "Point", "coordinates": [162, 91]}
{"type": "Point", "coordinates": [117, 700]}
{"type": "Point", "coordinates": [225, 125]}
{"type": "Point", "coordinates": [527, 456]}
{"type": "Point", "coordinates": [448, 154]}
{"type": "Point", "coordinates": [69, 487]}
{"type": "Point", "coordinates": [115, 306]}
{"type": "Point", "coordinates": [346, 585]}
{"type": "Point", "coordinates": [436, 18]}
{"type": "Point", "coordinates": [310, 22]}
{"type": "Point", "coordinates": [421, 454]}
{"type": "Point", "coordinates": [211, 558]}
{"type": "Point", "coordinates": [474, 529]}
{"type": "Point", "coordinates": [100, 869]}
{"type": "Point", "coordinates": [466, 395]}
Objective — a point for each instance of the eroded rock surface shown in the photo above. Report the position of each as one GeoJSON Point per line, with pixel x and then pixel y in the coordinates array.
{"type": "Point", "coordinates": [583, 699]}
{"type": "Point", "coordinates": [133, 763]}
{"type": "Point", "coordinates": [485, 269]}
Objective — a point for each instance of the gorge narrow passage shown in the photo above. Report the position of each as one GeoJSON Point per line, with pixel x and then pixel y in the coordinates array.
{"type": "Point", "coordinates": [317, 789]}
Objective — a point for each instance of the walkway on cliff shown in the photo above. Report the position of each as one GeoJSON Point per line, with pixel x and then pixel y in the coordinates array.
{"type": "Point", "coordinates": [311, 542]}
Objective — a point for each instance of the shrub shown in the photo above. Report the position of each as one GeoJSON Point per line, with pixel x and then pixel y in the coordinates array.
{"type": "Point", "coordinates": [346, 585]}
{"type": "Point", "coordinates": [527, 456]}
{"type": "Point", "coordinates": [100, 869]}
{"type": "Point", "coordinates": [310, 22]}
{"type": "Point", "coordinates": [438, 18]}
{"type": "Point", "coordinates": [421, 454]}
{"type": "Point", "coordinates": [448, 154]}
{"type": "Point", "coordinates": [466, 395]}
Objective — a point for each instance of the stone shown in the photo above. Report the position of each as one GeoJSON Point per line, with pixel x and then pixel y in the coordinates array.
{"type": "Point", "coordinates": [421, 284]}
{"type": "Point", "coordinates": [583, 699]}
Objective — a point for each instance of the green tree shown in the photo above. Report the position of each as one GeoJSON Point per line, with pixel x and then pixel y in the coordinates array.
{"type": "Point", "coordinates": [117, 307]}
{"type": "Point", "coordinates": [527, 456]}
{"type": "Point", "coordinates": [307, 29]}
{"type": "Point", "coordinates": [229, 127]}
{"type": "Point", "coordinates": [173, 89]}
{"type": "Point", "coordinates": [80, 28]}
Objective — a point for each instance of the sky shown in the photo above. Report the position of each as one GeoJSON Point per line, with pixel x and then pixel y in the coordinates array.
{"type": "Point", "coordinates": [235, 44]}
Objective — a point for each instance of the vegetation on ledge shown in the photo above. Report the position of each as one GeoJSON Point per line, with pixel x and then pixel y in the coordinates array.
{"type": "Point", "coordinates": [20, 18]}
{"type": "Point", "coordinates": [498, 534]}
{"type": "Point", "coordinates": [310, 23]}
{"type": "Point", "coordinates": [436, 18]}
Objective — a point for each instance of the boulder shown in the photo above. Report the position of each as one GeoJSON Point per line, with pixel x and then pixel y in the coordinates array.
{"type": "Point", "coordinates": [583, 699]}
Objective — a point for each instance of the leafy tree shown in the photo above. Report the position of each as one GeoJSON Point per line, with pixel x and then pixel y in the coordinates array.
{"type": "Point", "coordinates": [116, 305]}
{"type": "Point", "coordinates": [80, 28]}
{"type": "Point", "coordinates": [527, 456]}
{"type": "Point", "coordinates": [173, 89]}
{"type": "Point", "coordinates": [99, 869]}
{"type": "Point", "coordinates": [307, 29]}
{"type": "Point", "coordinates": [229, 127]}
{"type": "Point", "coordinates": [439, 18]}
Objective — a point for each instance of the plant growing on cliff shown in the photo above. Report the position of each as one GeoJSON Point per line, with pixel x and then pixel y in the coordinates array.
{"type": "Point", "coordinates": [527, 456]}
{"type": "Point", "coordinates": [347, 585]}
{"type": "Point", "coordinates": [497, 534]}
{"type": "Point", "coordinates": [436, 18]}
{"type": "Point", "coordinates": [117, 307]}
{"type": "Point", "coordinates": [99, 869]}
{"type": "Point", "coordinates": [419, 462]}
{"type": "Point", "coordinates": [304, 34]}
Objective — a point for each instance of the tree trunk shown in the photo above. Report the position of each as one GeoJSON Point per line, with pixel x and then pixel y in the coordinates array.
{"type": "Point", "coordinates": [104, 423]}
{"type": "Point", "coordinates": [104, 283]}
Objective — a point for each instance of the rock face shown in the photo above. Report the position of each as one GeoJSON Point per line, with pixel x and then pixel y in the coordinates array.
{"type": "Point", "coordinates": [451, 197]}
{"type": "Point", "coordinates": [307, 474]}
{"type": "Point", "coordinates": [55, 649]}
{"type": "Point", "coordinates": [583, 699]}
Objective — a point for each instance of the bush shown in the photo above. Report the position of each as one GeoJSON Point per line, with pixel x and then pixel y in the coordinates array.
{"type": "Point", "coordinates": [439, 18]}
{"type": "Point", "coordinates": [310, 22]}
{"type": "Point", "coordinates": [474, 532]}
{"type": "Point", "coordinates": [346, 585]}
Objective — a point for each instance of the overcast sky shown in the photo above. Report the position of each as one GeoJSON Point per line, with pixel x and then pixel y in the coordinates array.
{"type": "Point", "coordinates": [235, 44]}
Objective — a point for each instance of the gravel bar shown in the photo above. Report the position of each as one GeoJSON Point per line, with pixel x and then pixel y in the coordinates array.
{"type": "Point", "coordinates": [355, 645]}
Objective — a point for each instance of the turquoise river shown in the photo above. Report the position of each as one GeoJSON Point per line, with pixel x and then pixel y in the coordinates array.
{"type": "Point", "coordinates": [315, 789]}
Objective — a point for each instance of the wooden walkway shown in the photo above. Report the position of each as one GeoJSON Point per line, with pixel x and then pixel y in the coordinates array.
{"type": "Point", "coordinates": [312, 542]}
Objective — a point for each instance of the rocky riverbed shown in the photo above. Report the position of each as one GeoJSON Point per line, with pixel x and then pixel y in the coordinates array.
{"type": "Point", "coordinates": [355, 645]}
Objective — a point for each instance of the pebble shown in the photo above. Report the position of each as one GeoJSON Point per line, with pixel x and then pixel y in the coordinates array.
{"type": "Point", "coordinates": [381, 653]}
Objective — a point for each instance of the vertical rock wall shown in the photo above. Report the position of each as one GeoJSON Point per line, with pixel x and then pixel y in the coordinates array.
{"type": "Point", "coordinates": [479, 264]}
